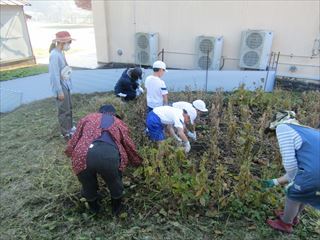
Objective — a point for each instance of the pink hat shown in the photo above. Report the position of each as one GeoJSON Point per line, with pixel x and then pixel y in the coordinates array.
{"type": "Point", "coordinates": [63, 36]}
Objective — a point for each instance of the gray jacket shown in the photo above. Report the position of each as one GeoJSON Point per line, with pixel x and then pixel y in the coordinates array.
{"type": "Point", "coordinates": [57, 62]}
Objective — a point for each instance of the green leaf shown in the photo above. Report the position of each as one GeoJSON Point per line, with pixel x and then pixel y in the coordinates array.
{"type": "Point", "coordinates": [203, 201]}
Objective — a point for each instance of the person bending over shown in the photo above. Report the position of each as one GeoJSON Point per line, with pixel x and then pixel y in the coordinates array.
{"type": "Point", "coordinates": [300, 151]}
{"type": "Point", "coordinates": [128, 86]}
{"type": "Point", "coordinates": [169, 117]}
{"type": "Point", "coordinates": [102, 145]}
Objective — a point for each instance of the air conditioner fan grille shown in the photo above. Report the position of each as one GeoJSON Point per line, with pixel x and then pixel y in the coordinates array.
{"type": "Point", "coordinates": [143, 42]}
{"type": "Point", "coordinates": [205, 46]}
{"type": "Point", "coordinates": [254, 40]}
{"type": "Point", "coordinates": [143, 57]}
{"type": "Point", "coordinates": [204, 62]}
{"type": "Point", "coordinates": [251, 58]}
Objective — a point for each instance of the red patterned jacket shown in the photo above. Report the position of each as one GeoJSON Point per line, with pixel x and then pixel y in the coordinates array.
{"type": "Point", "coordinates": [88, 129]}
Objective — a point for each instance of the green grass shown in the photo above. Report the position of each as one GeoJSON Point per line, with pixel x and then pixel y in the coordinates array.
{"type": "Point", "coordinates": [23, 72]}
{"type": "Point", "coordinates": [40, 195]}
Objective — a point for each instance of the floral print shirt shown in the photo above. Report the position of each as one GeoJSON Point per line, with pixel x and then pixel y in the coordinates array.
{"type": "Point", "coordinates": [88, 129]}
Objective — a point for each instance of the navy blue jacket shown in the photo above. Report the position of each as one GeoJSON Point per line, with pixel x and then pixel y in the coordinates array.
{"type": "Point", "coordinates": [127, 86]}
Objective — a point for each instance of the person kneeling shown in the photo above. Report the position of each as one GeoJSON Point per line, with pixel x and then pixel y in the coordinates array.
{"type": "Point", "coordinates": [128, 86]}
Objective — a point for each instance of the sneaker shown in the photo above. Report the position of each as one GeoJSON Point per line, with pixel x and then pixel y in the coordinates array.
{"type": "Point", "coordinates": [279, 225]}
{"type": "Point", "coordinates": [280, 213]}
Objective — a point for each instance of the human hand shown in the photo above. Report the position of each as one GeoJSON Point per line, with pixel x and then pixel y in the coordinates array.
{"type": "Point", "coordinates": [122, 95]}
{"type": "Point", "coordinates": [192, 135]}
{"type": "Point", "coordinates": [287, 187]}
{"type": "Point", "coordinates": [141, 90]}
{"type": "Point", "coordinates": [60, 96]}
{"type": "Point", "coordinates": [187, 147]}
{"type": "Point", "coordinates": [269, 183]}
{"type": "Point", "coordinates": [177, 138]}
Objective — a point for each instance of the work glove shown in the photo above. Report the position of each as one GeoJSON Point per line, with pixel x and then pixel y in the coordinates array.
{"type": "Point", "coordinates": [269, 183]}
{"type": "Point", "coordinates": [187, 147]}
{"type": "Point", "coordinates": [287, 187]}
{"type": "Point", "coordinates": [177, 138]}
{"type": "Point", "coordinates": [192, 135]}
{"type": "Point", "coordinates": [72, 130]}
{"type": "Point", "coordinates": [139, 91]}
{"type": "Point", "coordinates": [122, 95]}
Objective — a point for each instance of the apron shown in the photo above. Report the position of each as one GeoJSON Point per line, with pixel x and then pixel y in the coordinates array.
{"type": "Point", "coordinates": [305, 187]}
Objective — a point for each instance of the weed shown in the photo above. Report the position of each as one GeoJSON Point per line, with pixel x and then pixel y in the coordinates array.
{"type": "Point", "coordinates": [173, 195]}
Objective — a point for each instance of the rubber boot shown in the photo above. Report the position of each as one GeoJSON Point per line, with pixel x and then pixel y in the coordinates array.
{"type": "Point", "coordinates": [94, 206]}
{"type": "Point", "coordinates": [117, 206]}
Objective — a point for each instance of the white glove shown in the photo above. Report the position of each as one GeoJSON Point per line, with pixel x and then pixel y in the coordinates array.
{"type": "Point", "coordinates": [122, 95]}
{"type": "Point", "coordinates": [177, 138]}
{"type": "Point", "coordinates": [187, 147]}
{"type": "Point", "coordinates": [141, 89]}
{"type": "Point", "coordinates": [192, 135]}
{"type": "Point", "coordinates": [72, 130]}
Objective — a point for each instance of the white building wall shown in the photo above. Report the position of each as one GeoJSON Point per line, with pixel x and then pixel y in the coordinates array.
{"type": "Point", "coordinates": [295, 24]}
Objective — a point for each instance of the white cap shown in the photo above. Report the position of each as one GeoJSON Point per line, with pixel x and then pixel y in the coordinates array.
{"type": "Point", "coordinates": [200, 105]}
{"type": "Point", "coordinates": [159, 64]}
{"type": "Point", "coordinates": [192, 114]}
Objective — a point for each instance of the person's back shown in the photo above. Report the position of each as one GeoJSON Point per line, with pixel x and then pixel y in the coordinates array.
{"type": "Point", "coordinates": [307, 154]}
{"type": "Point", "coordinates": [182, 105]}
{"type": "Point", "coordinates": [299, 149]}
{"type": "Point", "coordinates": [155, 89]}
{"type": "Point", "coordinates": [157, 93]}
{"type": "Point", "coordinates": [170, 115]}
{"type": "Point", "coordinates": [102, 145]}
{"type": "Point", "coordinates": [127, 85]}
{"type": "Point", "coordinates": [188, 107]}
{"type": "Point", "coordinates": [192, 112]}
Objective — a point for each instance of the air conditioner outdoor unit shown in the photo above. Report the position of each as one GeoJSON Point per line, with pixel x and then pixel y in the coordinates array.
{"type": "Point", "coordinates": [255, 49]}
{"type": "Point", "coordinates": [208, 52]}
{"type": "Point", "coordinates": [146, 48]}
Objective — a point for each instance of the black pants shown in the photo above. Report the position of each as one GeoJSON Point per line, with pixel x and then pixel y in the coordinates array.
{"type": "Point", "coordinates": [103, 159]}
